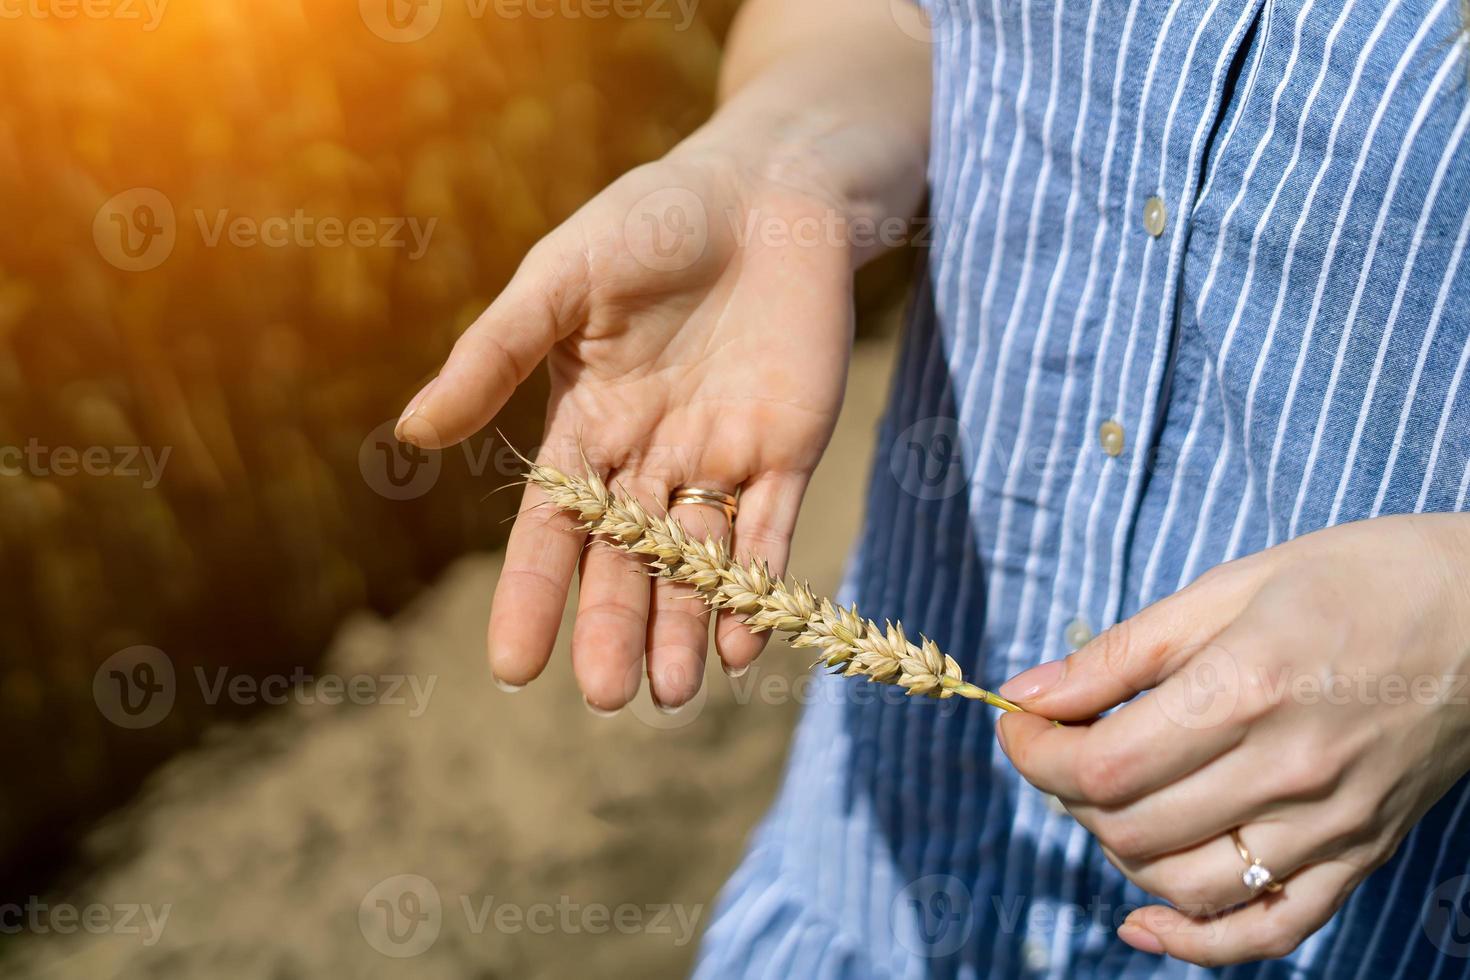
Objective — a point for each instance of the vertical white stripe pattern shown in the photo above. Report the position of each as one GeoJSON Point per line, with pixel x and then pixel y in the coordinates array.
{"type": "Point", "coordinates": [1291, 352]}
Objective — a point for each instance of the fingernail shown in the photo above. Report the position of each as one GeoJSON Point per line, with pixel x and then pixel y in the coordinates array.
{"type": "Point", "coordinates": [1140, 939]}
{"type": "Point", "coordinates": [506, 686]}
{"type": "Point", "coordinates": [1034, 682]}
{"type": "Point", "coordinates": [664, 708]}
{"type": "Point", "coordinates": [734, 671]}
{"type": "Point", "coordinates": [601, 712]}
{"type": "Point", "coordinates": [401, 431]}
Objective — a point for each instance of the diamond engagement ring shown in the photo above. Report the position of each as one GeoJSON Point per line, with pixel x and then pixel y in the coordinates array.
{"type": "Point", "coordinates": [1256, 876]}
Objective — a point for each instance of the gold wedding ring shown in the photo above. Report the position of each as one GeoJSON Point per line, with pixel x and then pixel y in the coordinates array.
{"type": "Point", "coordinates": [1256, 877]}
{"type": "Point", "coordinates": [701, 496]}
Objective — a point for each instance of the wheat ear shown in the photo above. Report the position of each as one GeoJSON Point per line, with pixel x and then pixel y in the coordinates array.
{"type": "Point", "coordinates": [849, 644]}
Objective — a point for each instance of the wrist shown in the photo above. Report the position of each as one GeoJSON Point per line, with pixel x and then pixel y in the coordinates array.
{"type": "Point", "coordinates": [1444, 589]}
{"type": "Point", "coordinates": [787, 148]}
{"type": "Point", "coordinates": [1457, 559]}
{"type": "Point", "coordinates": [868, 177]}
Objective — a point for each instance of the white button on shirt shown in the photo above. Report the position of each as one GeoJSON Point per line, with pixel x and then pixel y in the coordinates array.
{"type": "Point", "coordinates": [1155, 216]}
{"type": "Point", "coordinates": [1078, 634]}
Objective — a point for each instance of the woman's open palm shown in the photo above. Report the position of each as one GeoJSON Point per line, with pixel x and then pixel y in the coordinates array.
{"type": "Point", "coordinates": [697, 322]}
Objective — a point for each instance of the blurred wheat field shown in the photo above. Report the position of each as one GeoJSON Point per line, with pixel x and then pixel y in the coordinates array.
{"type": "Point", "coordinates": [260, 371]}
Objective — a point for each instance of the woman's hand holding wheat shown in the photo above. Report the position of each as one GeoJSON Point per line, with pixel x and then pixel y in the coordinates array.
{"type": "Point", "coordinates": [696, 318]}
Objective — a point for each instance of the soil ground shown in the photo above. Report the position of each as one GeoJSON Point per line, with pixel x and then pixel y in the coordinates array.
{"type": "Point", "coordinates": [466, 832]}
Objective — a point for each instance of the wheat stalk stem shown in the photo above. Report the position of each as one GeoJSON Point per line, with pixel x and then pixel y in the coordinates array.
{"type": "Point", "coordinates": [848, 643]}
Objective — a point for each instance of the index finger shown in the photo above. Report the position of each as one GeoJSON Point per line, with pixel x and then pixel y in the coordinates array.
{"type": "Point", "coordinates": [1137, 653]}
{"type": "Point", "coordinates": [541, 556]}
{"type": "Point", "coordinates": [1188, 720]}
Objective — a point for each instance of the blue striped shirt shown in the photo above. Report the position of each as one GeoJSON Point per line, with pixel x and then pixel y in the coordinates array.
{"type": "Point", "coordinates": [1198, 286]}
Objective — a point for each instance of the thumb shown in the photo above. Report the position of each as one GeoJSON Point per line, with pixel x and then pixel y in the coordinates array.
{"type": "Point", "coordinates": [542, 303]}
{"type": "Point", "coordinates": [1133, 656]}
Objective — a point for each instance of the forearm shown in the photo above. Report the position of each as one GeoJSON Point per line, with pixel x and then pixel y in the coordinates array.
{"type": "Point", "coordinates": [831, 95]}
